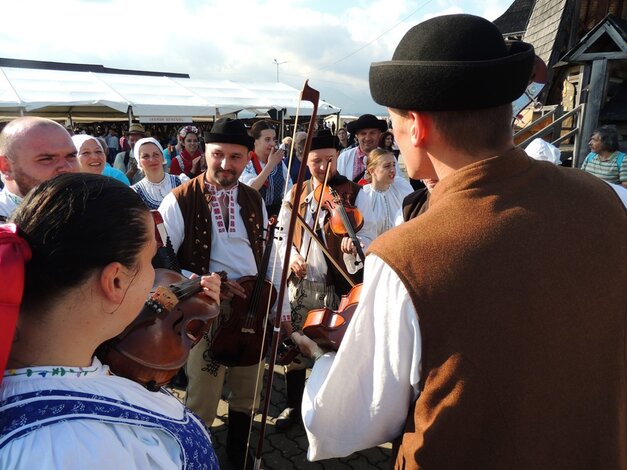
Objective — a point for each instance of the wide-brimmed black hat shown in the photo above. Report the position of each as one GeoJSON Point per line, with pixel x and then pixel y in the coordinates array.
{"type": "Point", "coordinates": [325, 140]}
{"type": "Point", "coordinates": [452, 63]}
{"type": "Point", "coordinates": [230, 131]}
{"type": "Point", "coordinates": [366, 121]}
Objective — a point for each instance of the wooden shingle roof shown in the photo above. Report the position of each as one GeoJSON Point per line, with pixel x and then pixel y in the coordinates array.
{"type": "Point", "coordinates": [514, 20]}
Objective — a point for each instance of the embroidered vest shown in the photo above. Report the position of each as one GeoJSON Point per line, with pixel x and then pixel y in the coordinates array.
{"type": "Point", "coordinates": [22, 414]}
{"type": "Point", "coordinates": [194, 202]}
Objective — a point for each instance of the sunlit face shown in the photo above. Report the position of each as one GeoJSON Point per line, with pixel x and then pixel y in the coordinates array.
{"type": "Point", "coordinates": [416, 159]}
{"type": "Point", "coordinates": [368, 139]}
{"type": "Point", "coordinates": [343, 136]}
{"type": "Point", "coordinates": [389, 140]}
{"type": "Point", "coordinates": [190, 142]}
{"type": "Point", "coordinates": [42, 152]}
{"type": "Point", "coordinates": [595, 143]}
{"type": "Point", "coordinates": [225, 163]}
{"type": "Point", "coordinates": [91, 157]}
{"type": "Point", "coordinates": [150, 158]}
{"type": "Point", "coordinates": [265, 143]}
{"type": "Point", "coordinates": [384, 171]}
{"type": "Point", "coordinates": [318, 160]}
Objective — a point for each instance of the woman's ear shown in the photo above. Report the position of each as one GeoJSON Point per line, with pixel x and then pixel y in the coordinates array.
{"type": "Point", "coordinates": [114, 282]}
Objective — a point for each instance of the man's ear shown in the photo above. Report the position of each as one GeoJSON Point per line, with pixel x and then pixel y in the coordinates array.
{"type": "Point", "coordinates": [419, 128]}
{"type": "Point", "coordinates": [6, 167]}
{"type": "Point", "coordinates": [114, 282]}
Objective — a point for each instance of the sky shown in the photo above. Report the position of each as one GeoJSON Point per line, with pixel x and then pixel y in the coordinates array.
{"type": "Point", "coordinates": [329, 42]}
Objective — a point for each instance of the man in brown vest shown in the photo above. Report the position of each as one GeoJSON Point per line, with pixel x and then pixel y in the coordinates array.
{"type": "Point", "coordinates": [319, 279]}
{"type": "Point", "coordinates": [490, 332]}
{"type": "Point", "coordinates": [216, 224]}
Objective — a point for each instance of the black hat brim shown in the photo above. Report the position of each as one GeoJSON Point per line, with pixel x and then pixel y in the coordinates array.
{"type": "Point", "coordinates": [452, 86]}
{"type": "Point", "coordinates": [244, 140]}
{"type": "Point", "coordinates": [357, 125]}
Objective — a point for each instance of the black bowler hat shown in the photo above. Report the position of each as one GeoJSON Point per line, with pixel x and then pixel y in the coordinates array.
{"type": "Point", "coordinates": [230, 131]}
{"type": "Point", "coordinates": [325, 140]}
{"type": "Point", "coordinates": [452, 63]}
{"type": "Point", "coordinates": [366, 121]}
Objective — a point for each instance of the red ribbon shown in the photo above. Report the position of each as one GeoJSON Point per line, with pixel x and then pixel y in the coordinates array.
{"type": "Point", "coordinates": [257, 165]}
{"type": "Point", "coordinates": [14, 253]}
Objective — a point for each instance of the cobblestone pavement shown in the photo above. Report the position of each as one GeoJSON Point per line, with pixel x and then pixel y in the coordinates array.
{"type": "Point", "coordinates": [286, 451]}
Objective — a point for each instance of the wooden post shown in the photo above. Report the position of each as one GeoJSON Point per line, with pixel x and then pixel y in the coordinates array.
{"type": "Point", "coordinates": [596, 99]}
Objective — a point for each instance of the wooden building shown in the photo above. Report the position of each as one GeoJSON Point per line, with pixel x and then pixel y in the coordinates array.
{"type": "Point", "coordinates": [584, 44]}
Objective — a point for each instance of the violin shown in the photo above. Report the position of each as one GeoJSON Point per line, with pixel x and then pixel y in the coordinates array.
{"type": "Point", "coordinates": [156, 344]}
{"type": "Point", "coordinates": [344, 219]}
{"type": "Point", "coordinates": [325, 326]}
{"type": "Point", "coordinates": [239, 339]}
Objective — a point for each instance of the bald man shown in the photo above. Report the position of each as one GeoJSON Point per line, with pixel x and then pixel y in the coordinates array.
{"type": "Point", "coordinates": [32, 150]}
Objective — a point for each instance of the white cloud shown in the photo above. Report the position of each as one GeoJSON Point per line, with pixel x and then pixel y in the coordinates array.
{"type": "Point", "coordinates": [235, 40]}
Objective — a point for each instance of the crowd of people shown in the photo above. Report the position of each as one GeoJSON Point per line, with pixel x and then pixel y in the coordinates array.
{"type": "Point", "coordinates": [489, 331]}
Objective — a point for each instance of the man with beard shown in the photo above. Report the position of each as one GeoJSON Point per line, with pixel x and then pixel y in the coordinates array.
{"type": "Point", "coordinates": [216, 225]}
{"type": "Point", "coordinates": [32, 150]}
{"type": "Point", "coordinates": [367, 129]}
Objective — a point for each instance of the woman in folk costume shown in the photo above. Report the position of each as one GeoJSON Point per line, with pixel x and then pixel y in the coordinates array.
{"type": "Point", "coordinates": [92, 158]}
{"type": "Point", "coordinates": [266, 171]}
{"type": "Point", "coordinates": [157, 183]}
{"type": "Point", "coordinates": [60, 407]}
{"type": "Point", "coordinates": [183, 162]}
{"type": "Point", "coordinates": [384, 190]}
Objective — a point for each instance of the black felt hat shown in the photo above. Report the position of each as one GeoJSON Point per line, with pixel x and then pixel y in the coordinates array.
{"type": "Point", "coordinates": [452, 63]}
{"type": "Point", "coordinates": [366, 121]}
{"type": "Point", "coordinates": [230, 131]}
{"type": "Point", "coordinates": [325, 140]}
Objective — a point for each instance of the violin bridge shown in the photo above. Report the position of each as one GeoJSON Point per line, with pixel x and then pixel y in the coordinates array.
{"type": "Point", "coordinates": [162, 299]}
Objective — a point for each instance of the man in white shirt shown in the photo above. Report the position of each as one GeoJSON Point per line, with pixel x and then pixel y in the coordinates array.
{"type": "Point", "coordinates": [367, 129]}
{"type": "Point", "coordinates": [320, 276]}
{"type": "Point", "coordinates": [480, 330]}
{"type": "Point", "coordinates": [32, 150]}
{"type": "Point", "coordinates": [216, 224]}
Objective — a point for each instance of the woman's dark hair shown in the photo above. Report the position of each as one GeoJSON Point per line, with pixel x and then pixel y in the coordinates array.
{"type": "Point", "coordinates": [609, 138]}
{"type": "Point", "coordinates": [76, 223]}
{"type": "Point", "coordinates": [259, 126]}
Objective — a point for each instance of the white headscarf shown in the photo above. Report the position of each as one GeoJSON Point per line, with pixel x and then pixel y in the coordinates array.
{"type": "Point", "coordinates": [80, 139]}
{"type": "Point", "coordinates": [147, 140]}
{"type": "Point", "coordinates": [542, 150]}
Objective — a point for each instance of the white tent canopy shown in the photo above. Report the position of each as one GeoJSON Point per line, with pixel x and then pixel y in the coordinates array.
{"type": "Point", "coordinates": [108, 95]}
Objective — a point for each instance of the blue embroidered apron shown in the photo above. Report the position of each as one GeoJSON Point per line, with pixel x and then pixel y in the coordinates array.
{"type": "Point", "coordinates": [25, 413]}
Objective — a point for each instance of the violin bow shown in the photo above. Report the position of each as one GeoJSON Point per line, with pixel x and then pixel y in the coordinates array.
{"type": "Point", "coordinates": [313, 96]}
{"type": "Point", "coordinates": [318, 208]}
{"type": "Point", "coordinates": [314, 237]}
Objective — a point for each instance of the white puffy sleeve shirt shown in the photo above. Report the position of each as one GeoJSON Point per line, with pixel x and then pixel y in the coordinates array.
{"type": "Point", "coordinates": [359, 397]}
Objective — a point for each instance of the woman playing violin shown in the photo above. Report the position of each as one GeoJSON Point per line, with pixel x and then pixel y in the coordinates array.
{"type": "Point", "coordinates": [319, 279]}
{"type": "Point", "coordinates": [90, 240]}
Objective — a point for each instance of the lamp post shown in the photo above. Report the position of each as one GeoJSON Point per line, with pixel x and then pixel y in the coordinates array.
{"type": "Point", "coordinates": [277, 68]}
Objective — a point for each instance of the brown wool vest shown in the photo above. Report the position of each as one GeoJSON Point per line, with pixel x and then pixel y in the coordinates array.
{"type": "Point", "coordinates": [194, 202]}
{"type": "Point", "coordinates": [348, 192]}
{"type": "Point", "coordinates": [518, 273]}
